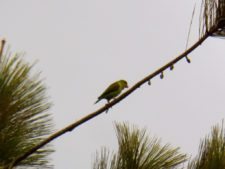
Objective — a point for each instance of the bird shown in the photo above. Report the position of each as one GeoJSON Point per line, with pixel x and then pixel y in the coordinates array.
{"type": "Point", "coordinates": [113, 90]}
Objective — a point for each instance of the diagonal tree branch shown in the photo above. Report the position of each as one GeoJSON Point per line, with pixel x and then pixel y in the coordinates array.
{"type": "Point", "coordinates": [90, 116]}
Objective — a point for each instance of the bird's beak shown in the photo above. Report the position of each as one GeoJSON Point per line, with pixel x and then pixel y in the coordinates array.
{"type": "Point", "coordinates": [126, 86]}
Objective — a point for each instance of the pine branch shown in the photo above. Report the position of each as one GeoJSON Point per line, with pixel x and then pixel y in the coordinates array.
{"type": "Point", "coordinates": [24, 121]}
{"type": "Point", "coordinates": [2, 48]}
{"type": "Point", "coordinates": [90, 116]}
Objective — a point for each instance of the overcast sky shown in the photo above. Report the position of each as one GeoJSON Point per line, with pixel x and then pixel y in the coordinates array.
{"type": "Point", "coordinates": [83, 46]}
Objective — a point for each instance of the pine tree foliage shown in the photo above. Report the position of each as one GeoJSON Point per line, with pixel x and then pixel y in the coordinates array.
{"type": "Point", "coordinates": [211, 151]}
{"type": "Point", "coordinates": [24, 121]}
{"type": "Point", "coordinates": [138, 151]}
{"type": "Point", "coordinates": [213, 17]}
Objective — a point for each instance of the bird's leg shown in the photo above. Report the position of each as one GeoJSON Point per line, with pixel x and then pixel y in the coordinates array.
{"type": "Point", "coordinates": [107, 105]}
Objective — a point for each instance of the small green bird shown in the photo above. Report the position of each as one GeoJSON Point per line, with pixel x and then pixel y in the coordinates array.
{"type": "Point", "coordinates": [113, 90]}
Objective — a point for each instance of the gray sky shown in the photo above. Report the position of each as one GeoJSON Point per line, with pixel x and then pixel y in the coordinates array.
{"type": "Point", "coordinates": [83, 46]}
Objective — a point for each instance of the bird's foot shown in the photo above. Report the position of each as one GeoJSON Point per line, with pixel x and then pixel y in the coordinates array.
{"type": "Point", "coordinates": [107, 104]}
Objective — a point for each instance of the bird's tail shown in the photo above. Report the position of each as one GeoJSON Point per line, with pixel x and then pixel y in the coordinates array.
{"type": "Point", "coordinates": [97, 101]}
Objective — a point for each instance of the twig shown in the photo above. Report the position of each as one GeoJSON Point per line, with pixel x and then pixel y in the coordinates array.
{"type": "Point", "coordinates": [72, 126]}
{"type": "Point", "coordinates": [189, 31]}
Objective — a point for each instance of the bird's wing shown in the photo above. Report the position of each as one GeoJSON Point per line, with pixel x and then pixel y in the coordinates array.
{"type": "Point", "coordinates": [112, 88]}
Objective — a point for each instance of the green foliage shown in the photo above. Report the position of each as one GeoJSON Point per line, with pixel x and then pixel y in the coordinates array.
{"type": "Point", "coordinates": [211, 151]}
{"type": "Point", "coordinates": [138, 151]}
{"type": "Point", "coordinates": [24, 121]}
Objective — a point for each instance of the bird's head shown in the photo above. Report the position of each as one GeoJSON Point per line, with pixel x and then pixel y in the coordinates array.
{"type": "Point", "coordinates": [124, 83]}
